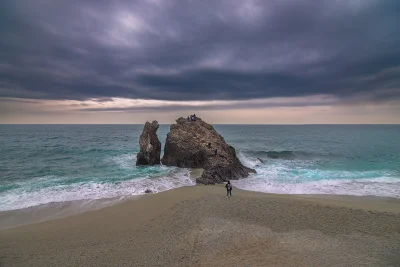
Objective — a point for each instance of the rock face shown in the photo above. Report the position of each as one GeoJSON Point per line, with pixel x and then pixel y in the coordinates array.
{"type": "Point", "coordinates": [192, 144]}
{"type": "Point", "coordinates": [150, 146]}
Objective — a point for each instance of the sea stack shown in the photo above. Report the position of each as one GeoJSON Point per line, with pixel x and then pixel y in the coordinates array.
{"type": "Point", "coordinates": [150, 146]}
{"type": "Point", "coordinates": [196, 144]}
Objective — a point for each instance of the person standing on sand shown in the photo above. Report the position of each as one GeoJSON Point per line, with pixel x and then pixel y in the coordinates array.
{"type": "Point", "coordinates": [228, 187]}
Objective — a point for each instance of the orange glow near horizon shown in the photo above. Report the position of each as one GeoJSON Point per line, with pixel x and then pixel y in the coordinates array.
{"type": "Point", "coordinates": [293, 110]}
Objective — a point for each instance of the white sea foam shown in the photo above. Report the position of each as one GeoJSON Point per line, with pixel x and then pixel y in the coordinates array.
{"type": "Point", "coordinates": [125, 161]}
{"type": "Point", "coordinates": [248, 161]}
{"type": "Point", "coordinates": [275, 176]}
{"type": "Point", "coordinates": [296, 177]}
{"type": "Point", "coordinates": [384, 186]}
{"type": "Point", "coordinates": [23, 198]}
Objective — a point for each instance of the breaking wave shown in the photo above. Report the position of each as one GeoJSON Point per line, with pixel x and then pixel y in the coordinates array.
{"type": "Point", "coordinates": [305, 177]}
{"type": "Point", "coordinates": [44, 190]}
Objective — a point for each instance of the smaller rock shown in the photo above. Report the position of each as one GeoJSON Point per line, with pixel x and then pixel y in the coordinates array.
{"type": "Point", "coordinates": [150, 146]}
{"type": "Point", "coordinates": [148, 191]}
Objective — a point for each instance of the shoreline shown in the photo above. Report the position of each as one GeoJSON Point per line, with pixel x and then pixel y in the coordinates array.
{"type": "Point", "coordinates": [59, 210]}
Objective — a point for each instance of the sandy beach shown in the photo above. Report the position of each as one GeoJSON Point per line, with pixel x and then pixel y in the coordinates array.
{"type": "Point", "coordinates": [199, 226]}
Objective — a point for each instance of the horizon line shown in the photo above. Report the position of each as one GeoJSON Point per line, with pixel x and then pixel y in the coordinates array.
{"type": "Point", "coordinates": [261, 124]}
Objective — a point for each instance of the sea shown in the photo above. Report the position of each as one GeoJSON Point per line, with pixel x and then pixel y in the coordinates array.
{"type": "Point", "coordinates": [50, 164]}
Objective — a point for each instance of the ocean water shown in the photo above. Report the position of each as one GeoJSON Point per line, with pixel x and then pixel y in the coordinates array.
{"type": "Point", "coordinates": [42, 164]}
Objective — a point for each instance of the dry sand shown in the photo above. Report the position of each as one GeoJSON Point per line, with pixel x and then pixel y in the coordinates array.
{"type": "Point", "coordinates": [199, 226]}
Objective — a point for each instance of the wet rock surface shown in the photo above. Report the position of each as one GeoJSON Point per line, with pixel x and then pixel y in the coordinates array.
{"type": "Point", "coordinates": [150, 146]}
{"type": "Point", "coordinates": [196, 144]}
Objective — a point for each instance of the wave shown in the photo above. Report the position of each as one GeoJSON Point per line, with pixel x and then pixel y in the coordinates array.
{"type": "Point", "coordinates": [280, 154]}
{"type": "Point", "coordinates": [283, 154]}
{"type": "Point", "coordinates": [125, 161]}
{"type": "Point", "coordinates": [308, 177]}
{"type": "Point", "coordinates": [123, 179]}
{"type": "Point", "coordinates": [53, 137]}
{"type": "Point", "coordinates": [30, 195]}
{"type": "Point", "coordinates": [383, 187]}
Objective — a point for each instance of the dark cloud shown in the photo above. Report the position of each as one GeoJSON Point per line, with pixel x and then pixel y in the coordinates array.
{"type": "Point", "coordinates": [186, 50]}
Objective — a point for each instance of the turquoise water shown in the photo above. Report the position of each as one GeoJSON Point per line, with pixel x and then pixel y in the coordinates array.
{"type": "Point", "coordinates": [42, 164]}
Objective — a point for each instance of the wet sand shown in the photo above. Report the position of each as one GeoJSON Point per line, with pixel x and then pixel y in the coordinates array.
{"type": "Point", "coordinates": [199, 226]}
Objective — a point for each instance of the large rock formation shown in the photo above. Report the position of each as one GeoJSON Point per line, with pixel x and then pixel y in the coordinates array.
{"type": "Point", "coordinates": [192, 144]}
{"type": "Point", "coordinates": [150, 146]}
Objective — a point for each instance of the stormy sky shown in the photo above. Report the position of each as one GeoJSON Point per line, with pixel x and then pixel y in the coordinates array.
{"type": "Point", "coordinates": [244, 61]}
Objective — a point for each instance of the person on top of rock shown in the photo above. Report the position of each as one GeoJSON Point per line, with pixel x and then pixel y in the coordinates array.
{"type": "Point", "coordinates": [194, 117]}
{"type": "Point", "coordinates": [216, 153]}
{"type": "Point", "coordinates": [228, 187]}
{"type": "Point", "coordinates": [188, 118]}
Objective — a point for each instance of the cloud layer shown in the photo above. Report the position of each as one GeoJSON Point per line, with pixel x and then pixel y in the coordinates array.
{"type": "Point", "coordinates": [199, 50]}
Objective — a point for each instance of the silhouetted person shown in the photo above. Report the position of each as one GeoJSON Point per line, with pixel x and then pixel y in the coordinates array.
{"type": "Point", "coordinates": [216, 153]}
{"type": "Point", "coordinates": [228, 187]}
